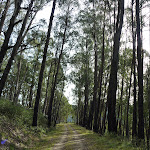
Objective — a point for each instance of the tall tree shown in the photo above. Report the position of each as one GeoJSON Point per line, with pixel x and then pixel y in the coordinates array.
{"type": "Point", "coordinates": [36, 106]}
{"type": "Point", "coordinates": [134, 125]}
{"type": "Point", "coordinates": [100, 81]}
{"type": "Point", "coordinates": [111, 98]}
{"type": "Point", "coordinates": [140, 74]}
{"type": "Point", "coordinates": [57, 71]}
{"type": "Point", "coordinates": [94, 102]}
{"type": "Point", "coordinates": [86, 91]}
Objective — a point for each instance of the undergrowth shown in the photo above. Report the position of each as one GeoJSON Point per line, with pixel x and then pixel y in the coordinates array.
{"type": "Point", "coordinates": [16, 126]}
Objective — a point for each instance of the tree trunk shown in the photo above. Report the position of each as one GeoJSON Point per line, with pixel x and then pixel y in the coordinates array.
{"type": "Point", "coordinates": [120, 105]}
{"type": "Point", "coordinates": [104, 118]}
{"type": "Point", "coordinates": [33, 80]}
{"type": "Point", "coordinates": [47, 86]}
{"type": "Point", "coordinates": [134, 124]}
{"type": "Point", "coordinates": [96, 126]}
{"type": "Point", "coordinates": [20, 85]}
{"type": "Point", "coordinates": [3, 17]}
{"type": "Point", "coordinates": [34, 123]}
{"type": "Point", "coordinates": [18, 78]}
{"type": "Point", "coordinates": [102, 107]}
{"type": "Point", "coordinates": [94, 103]}
{"type": "Point", "coordinates": [128, 103]}
{"type": "Point", "coordinates": [57, 112]}
{"type": "Point", "coordinates": [8, 33]}
{"type": "Point", "coordinates": [140, 76]}
{"type": "Point", "coordinates": [55, 79]}
{"type": "Point", "coordinates": [112, 126]}
{"type": "Point", "coordinates": [86, 92]}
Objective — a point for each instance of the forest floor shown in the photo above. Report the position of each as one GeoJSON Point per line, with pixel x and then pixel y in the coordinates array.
{"type": "Point", "coordinates": [70, 140]}
{"type": "Point", "coordinates": [15, 127]}
{"type": "Point", "coordinates": [78, 138]}
{"type": "Point", "coordinates": [72, 137]}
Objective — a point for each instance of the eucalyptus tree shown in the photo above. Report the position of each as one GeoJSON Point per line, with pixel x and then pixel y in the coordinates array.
{"type": "Point", "coordinates": [93, 21]}
{"type": "Point", "coordinates": [34, 123]}
{"type": "Point", "coordinates": [58, 106]}
{"type": "Point", "coordinates": [47, 87]}
{"type": "Point", "coordinates": [17, 79]}
{"type": "Point", "coordinates": [90, 29]}
{"type": "Point", "coordinates": [134, 125]}
{"type": "Point", "coordinates": [140, 74]}
{"type": "Point", "coordinates": [112, 127]}
{"type": "Point", "coordinates": [65, 26]}
{"type": "Point", "coordinates": [100, 76]}
{"type": "Point", "coordinates": [82, 78]}
{"type": "Point", "coordinates": [94, 102]}
{"type": "Point", "coordinates": [86, 83]}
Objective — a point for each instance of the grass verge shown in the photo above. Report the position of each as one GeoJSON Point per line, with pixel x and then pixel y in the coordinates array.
{"type": "Point", "coordinates": [107, 142]}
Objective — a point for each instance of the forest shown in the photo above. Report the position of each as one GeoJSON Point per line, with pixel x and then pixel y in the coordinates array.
{"type": "Point", "coordinates": [99, 49]}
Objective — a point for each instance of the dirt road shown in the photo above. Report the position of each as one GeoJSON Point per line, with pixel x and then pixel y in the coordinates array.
{"type": "Point", "coordinates": [70, 140]}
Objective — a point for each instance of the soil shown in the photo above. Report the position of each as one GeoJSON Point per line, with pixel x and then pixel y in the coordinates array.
{"type": "Point", "coordinates": [70, 140]}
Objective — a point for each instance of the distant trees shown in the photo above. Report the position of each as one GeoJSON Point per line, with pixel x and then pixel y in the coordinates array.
{"type": "Point", "coordinates": [99, 46]}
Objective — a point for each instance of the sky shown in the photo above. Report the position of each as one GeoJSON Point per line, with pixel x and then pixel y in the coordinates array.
{"type": "Point", "coordinates": [45, 13]}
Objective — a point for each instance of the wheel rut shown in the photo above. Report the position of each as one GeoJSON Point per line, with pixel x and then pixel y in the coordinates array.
{"type": "Point", "coordinates": [70, 140]}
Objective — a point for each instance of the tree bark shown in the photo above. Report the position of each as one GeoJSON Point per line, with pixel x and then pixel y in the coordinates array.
{"type": "Point", "coordinates": [47, 86]}
{"type": "Point", "coordinates": [112, 126]}
{"type": "Point", "coordinates": [128, 103]}
{"type": "Point", "coordinates": [20, 85]}
{"type": "Point", "coordinates": [57, 112]}
{"type": "Point", "coordinates": [18, 78]}
{"type": "Point", "coordinates": [134, 124]}
{"type": "Point", "coordinates": [96, 126]}
{"type": "Point", "coordinates": [3, 17]}
{"type": "Point", "coordinates": [140, 76]}
{"type": "Point", "coordinates": [120, 105]}
{"type": "Point", "coordinates": [86, 92]}
{"type": "Point", "coordinates": [35, 115]}
{"type": "Point", "coordinates": [94, 103]}
{"type": "Point", "coordinates": [57, 71]}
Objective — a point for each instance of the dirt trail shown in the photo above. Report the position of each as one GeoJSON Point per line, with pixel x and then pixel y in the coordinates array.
{"type": "Point", "coordinates": [70, 140]}
{"type": "Point", "coordinates": [63, 139]}
{"type": "Point", "coordinates": [78, 140]}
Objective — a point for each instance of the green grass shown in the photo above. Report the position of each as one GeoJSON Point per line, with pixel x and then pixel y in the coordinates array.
{"type": "Point", "coordinates": [46, 142]}
{"type": "Point", "coordinates": [70, 143]}
{"type": "Point", "coordinates": [107, 142]}
{"type": "Point", "coordinates": [15, 125]}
